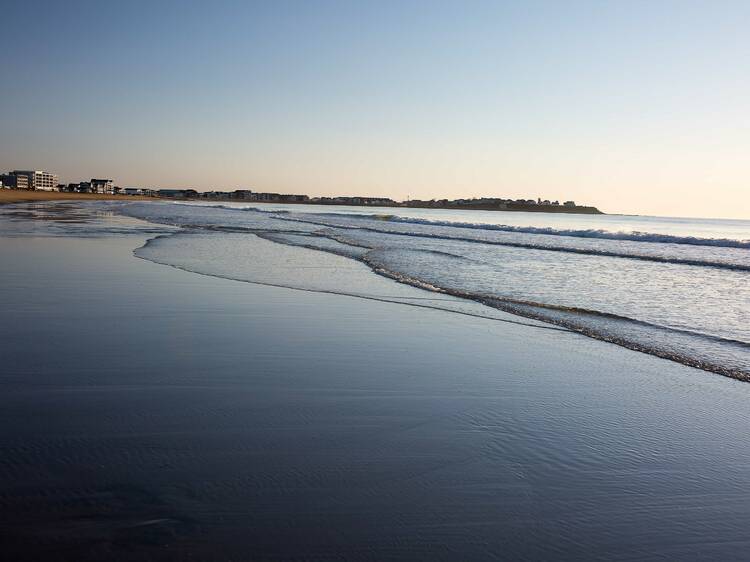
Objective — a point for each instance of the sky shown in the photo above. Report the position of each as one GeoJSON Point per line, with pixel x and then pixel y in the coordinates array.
{"type": "Point", "coordinates": [633, 106]}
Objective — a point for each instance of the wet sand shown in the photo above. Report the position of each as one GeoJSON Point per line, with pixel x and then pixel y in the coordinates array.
{"type": "Point", "coordinates": [148, 413]}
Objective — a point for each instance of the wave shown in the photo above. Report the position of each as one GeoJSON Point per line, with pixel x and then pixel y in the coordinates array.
{"type": "Point", "coordinates": [240, 209]}
{"type": "Point", "coordinates": [591, 234]}
{"type": "Point", "coordinates": [634, 236]}
{"type": "Point", "coordinates": [675, 344]}
{"type": "Point", "coordinates": [440, 269]}
{"type": "Point", "coordinates": [143, 253]}
{"type": "Point", "coordinates": [543, 247]}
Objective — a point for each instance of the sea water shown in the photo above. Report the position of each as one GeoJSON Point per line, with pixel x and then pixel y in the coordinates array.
{"type": "Point", "coordinates": [149, 413]}
{"type": "Point", "coordinates": [675, 288]}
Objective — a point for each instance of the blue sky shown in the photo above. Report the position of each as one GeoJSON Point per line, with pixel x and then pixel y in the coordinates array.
{"type": "Point", "coordinates": [639, 107]}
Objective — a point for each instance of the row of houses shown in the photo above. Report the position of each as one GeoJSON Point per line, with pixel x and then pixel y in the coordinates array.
{"type": "Point", "coordinates": [237, 194]}
{"type": "Point", "coordinates": [46, 181]}
{"type": "Point", "coordinates": [369, 201]}
{"type": "Point", "coordinates": [95, 185]}
{"type": "Point", "coordinates": [249, 195]}
{"type": "Point", "coordinates": [39, 180]}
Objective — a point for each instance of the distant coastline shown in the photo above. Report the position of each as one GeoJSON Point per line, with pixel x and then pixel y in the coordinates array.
{"type": "Point", "coordinates": [513, 207]}
{"type": "Point", "coordinates": [109, 192]}
{"type": "Point", "coordinates": [36, 185]}
{"type": "Point", "coordinates": [475, 204]}
{"type": "Point", "coordinates": [575, 209]}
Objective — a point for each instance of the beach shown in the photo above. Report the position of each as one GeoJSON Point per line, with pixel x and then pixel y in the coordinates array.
{"type": "Point", "coordinates": [151, 413]}
{"type": "Point", "coordinates": [26, 195]}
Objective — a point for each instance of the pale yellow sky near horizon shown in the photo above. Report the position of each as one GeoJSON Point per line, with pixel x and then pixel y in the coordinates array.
{"type": "Point", "coordinates": [698, 180]}
{"type": "Point", "coordinates": [615, 181]}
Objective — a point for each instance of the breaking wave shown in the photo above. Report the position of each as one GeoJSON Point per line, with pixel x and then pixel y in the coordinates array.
{"type": "Point", "coordinates": [588, 233]}
{"type": "Point", "coordinates": [633, 236]}
{"type": "Point", "coordinates": [682, 298]}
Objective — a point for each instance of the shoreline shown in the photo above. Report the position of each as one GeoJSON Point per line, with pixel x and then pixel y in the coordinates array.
{"type": "Point", "coordinates": [23, 196]}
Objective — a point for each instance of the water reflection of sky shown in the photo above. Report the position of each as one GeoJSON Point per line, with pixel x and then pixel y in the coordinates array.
{"type": "Point", "coordinates": [51, 218]}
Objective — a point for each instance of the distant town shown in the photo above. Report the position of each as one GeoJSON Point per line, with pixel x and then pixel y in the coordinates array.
{"type": "Point", "coordinates": [39, 180]}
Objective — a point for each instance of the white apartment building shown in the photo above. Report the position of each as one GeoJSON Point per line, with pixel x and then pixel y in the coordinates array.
{"type": "Point", "coordinates": [39, 179]}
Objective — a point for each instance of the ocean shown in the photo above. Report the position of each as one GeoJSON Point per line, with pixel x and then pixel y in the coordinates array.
{"type": "Point", "coordinates": [675, 288]}
{"type": "Point", "coordinates": [150, 413]}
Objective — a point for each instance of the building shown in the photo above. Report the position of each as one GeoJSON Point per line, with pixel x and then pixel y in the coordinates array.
{"type": "Point", "coordinates": [145, 191]}
{"type": "Point", "coordinates": [177, 193]}
{"type": "Point", "coordinates": [293, 198]}
{"type": "Point", "coordinates": [102, 186]}
{"type": "Point", "coordinates": [216, 195]}
{"type": "Point", "coordinates": [246, 194]}
{"type": "Point", "coordinates": [171, 193]}
{"type": "Point", "coordinates": [377, 201]}
{"type": "Point", "coordinates": [39, 179]}
{"type": "Point", "coordinates": [13, 181]}
{"type": "Point", "coordinates": [266, 196]}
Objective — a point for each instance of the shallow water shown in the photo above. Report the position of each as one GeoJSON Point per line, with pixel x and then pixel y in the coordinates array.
{"type": "Point", "coordinates": [680, 290]}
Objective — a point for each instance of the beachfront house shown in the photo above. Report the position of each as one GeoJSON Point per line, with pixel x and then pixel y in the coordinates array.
{"type": "Point", "coordinates": [102, 186]}
{"type": "Point", "coordinates": [171, 193]}
{"type": "Point", "coordinates": [215, 195]}
{"type": "Point", "coordinates": [294, 198]}
{"type": "Point", "coordinates": [177, 193]}
{"type": "Point", "coordinates": [242, 194]}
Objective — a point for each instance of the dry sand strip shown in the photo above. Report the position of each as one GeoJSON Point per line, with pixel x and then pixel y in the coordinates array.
{"type": "Point", "coordinates": [23, 195]}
